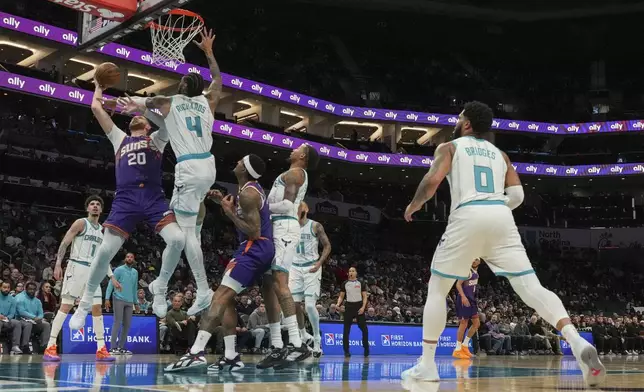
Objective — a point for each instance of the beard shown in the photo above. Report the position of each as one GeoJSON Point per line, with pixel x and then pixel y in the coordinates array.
{"type": "Point", "coordinates": [458, 131]}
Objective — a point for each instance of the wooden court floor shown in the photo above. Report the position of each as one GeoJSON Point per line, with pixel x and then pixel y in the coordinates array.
{"type": "Point", "coordinates": [378, 373]}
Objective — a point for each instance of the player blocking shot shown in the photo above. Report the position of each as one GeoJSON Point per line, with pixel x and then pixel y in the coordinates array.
{"type": "Point", "coordinates": [305, 277]}
{"type": "Point", "coordinates": [139, 197]}
{"type": "Point", "coordinates": [466, 310]}
{"type": "Point", "coordinates": [287, 193]}
{"type": "Point", "coordinates": [485, 189]}
{"type": "Point", "coordinates": [251, 216]}
{"type": "Point", "coordinates": [85, 235]}
{"type": "Point", "coordinates": [188, 119]}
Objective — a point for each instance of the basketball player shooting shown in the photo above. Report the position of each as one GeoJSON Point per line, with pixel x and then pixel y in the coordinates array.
{"type": "Point", "coordinates": [139, 198]}
{"type": "Point", "coordinates": [287, 193]}
{"type": "Point", "coordinates": [85, 236]}
{"type": "Point", "coordinates": [481, 224]}
{"type": "Point", "coordinates": [188, 119]}
{"type": "Point", "coordinates": [252, 218]}
{"type": "Point", "coordinates": [305, 277]}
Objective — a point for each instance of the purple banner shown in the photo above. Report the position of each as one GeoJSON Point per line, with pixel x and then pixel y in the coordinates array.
{"type": "Point", "coordinates": [46, 31]}
{"type": "Point", "coordinates": [76, 95]}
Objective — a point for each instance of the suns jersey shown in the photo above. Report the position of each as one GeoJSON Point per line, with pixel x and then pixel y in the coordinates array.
{"type": "Point", "coordinates": [308, 247]}
{"type": "Point", "coordinates": [277, 194]}
{"type": "Point", "coordinates": [86, 242]}
{"type": "Point", "coordinates": [189, 125]}
{"type": "Point", "coordinates": [477, 173]}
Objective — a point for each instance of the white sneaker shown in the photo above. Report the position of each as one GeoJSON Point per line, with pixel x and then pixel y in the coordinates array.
{"type": "Point", "coordinates": [159, 305]}
{"type": "Point", "coordinates": [592, 369]}
{"type": "Point", "coordinates": [78, 318]}
{"type": "Point", "coordinates": [202, 301]}
{"type": "Point", "coordinates": [421, 372]}
{"type": "Point", "coordinates": [317, 349]}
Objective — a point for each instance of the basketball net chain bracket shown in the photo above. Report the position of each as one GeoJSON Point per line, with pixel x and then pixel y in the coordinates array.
{"type": "Point", "coordinates": [95, 32]}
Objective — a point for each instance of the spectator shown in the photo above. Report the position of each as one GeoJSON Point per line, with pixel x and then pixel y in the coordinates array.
{"type": "Point", "coordinates": [258, 326]}
{"type": "Point", "coordinates": [245, 305]}
{"type": "Point", "coordinates": [48, 300]}
{"type": "Point", "coordinates": [601, 337]}
{"type": "Point", "coordinates": [188, 299]}
{"type": "Point", "coordinates": [20, 287]}
{"type": "Point", "coordinates": [371, 314]}
{"type": "Point", "coordinates": [521, 338]}
{"type": "Point", "coordinates": [48, 272]}
{"type": "Point", "coordinates": [124, 303]}
{"type": "Point", "coordinates": [333, 314]}
{"type": "Point", "coordinates": [182, 327]}
{"type": "Point", "coordinates": [29, 309]}
{"type": "Point", "coordinates": [8, 319]}
{"type": "Point", "coordinates": [501, 343]}
{"type": "Point", "coordinates": [142, 302]}
{"type": "Point", "coordinates": [539, 336]}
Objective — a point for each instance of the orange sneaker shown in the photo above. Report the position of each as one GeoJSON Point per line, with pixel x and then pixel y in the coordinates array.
{"type": "Point", "coordinates": [102, 355]}
{"type": "Point", "coordinates": [460, 354]}
{"type": "Point", "coordinates": [51, 354]}
{"type": "Point", "coordinates": [467, 352]}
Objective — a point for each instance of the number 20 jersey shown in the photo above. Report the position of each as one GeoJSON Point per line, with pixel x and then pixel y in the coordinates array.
{"type": "Point", "coordinates": [189, 125]}
{"type": "Point", "coordinates": [477, 173]}
{"type": "Point", "coordinates": [138, 160]}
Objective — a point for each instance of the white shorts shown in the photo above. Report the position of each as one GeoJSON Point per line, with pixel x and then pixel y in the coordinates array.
{"type": "Point", "coordinates": [286, 236]}
{"type": "Point", "coordinates": [75, 280]}
{"type": "Point", "coordinates": [303, 283]}
{"type": "Point", "coordinates": [481, 230]}
{"type": "Point", "coordinates": [193, 178]}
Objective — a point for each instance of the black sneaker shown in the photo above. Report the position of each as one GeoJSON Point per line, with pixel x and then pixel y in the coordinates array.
{"type": "Point", "coordinates": [275, 356]}
{"type": "Point", "coordinates": [294, 355]}
{"type": "Point", "coordinates": [366, 353]}
{"type": "Point", "coordinates": [233, 365]}
{"type": "Point", "coordinates": [187, 361]}
{"type": "Point", "coordinates": [125, 352]}
{"type": "Point", "coordinates": [347, 354]}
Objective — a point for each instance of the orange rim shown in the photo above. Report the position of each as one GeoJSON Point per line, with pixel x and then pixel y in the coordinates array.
{"type": "Point", "coordinates": [181, 12]}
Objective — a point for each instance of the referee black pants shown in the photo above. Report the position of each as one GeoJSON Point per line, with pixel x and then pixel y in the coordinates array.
{"type": "Point", "coordinates": [350, 313]}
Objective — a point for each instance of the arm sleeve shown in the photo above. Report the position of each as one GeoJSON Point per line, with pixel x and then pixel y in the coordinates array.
{"type": "Point", "coordinates": [283, 207]}
{"type": "Point", "coordinates": [116, 136]}
{"type": "Point", "coordinates": [515, 196]}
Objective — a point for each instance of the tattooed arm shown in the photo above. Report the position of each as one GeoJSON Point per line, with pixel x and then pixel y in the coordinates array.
{"type": "Point", "coordinates": [76, 228]}
{"type": "Point", "coordinates": [429, 184]}
{"type": "Point", "coordinates": [318, 229]}
{"type": "Point", "coordinates": [249, 201]}
{"type": "Point", "coordinates": [214, 90]}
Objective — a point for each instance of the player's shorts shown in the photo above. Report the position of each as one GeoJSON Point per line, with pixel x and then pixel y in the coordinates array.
{"type": "Point", "coordinates": [251, 260]}
{"type": "Point", "coordinates": [132, 206]}
{"type": "Point", "coordinates": [194, 175]}
{"type": "Point", "coordinates": [466, 312]}
{"type": "Point", "coordinates": [286, 236]}
{"type": "Point", "coordinates": [483, 229]}
{"type": "Point", "coordinates": [303, 283]}
{"type": "Point", "coordinates": [75, 280]}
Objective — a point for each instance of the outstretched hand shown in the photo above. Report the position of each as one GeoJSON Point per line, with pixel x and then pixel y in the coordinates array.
{"type": "Point", "coordinates": [129, 105]}
{"type": "Point", "coordinates": [207, 40]}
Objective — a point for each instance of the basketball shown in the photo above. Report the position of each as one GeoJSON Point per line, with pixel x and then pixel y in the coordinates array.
{"type": "Point", "coordinates": [107, 75]}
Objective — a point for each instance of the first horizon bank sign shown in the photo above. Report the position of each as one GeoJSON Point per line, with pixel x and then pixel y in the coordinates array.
{"type": "Point", "coordinates": [142, 337]}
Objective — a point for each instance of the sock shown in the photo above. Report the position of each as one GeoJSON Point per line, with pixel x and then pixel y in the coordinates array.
{"type": "Point", "coordinates": [198, 232]}
{"type": "Point", "coordinates": [200, 343]}
{"type": "Point", "coordinates": [466, 341]}
{"type": "Point", "coordinates": [293, 332]}
{"type": "Point", "coordinates": [229, 346]}
{"type": "Point", "coordinates": [429, 352]}
{"type": "Point", "coordinates": [458, 346]}
{"type": "Point", "coordinates": [572, 336]}
{"type": "Point", "coordinates": [276, 335]}
{"type": "Point", "coordinates": [56, 326]}
{"type": "Point", "coordinates": [99, 331]}
{"type": "Point", "coordinates": [175, 242]}
{"type": "Point", "coordinates": [104, 254]}
{"type": "Point", "coordinates": [194, 254]}
{"type": "Point", "coordinates": [314, 316]}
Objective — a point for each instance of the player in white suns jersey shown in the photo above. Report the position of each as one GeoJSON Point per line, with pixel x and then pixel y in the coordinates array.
{"type": "Point", "coordinates": [284, 200]}
{"type": "Point", "coordinates": [188, 119]}
{"type": "Point", "coordinates": [85, 236]}
{"type": "Point", "coordinates": [485, 189]}
{"type": "Point", "coordinates": [305, 277]}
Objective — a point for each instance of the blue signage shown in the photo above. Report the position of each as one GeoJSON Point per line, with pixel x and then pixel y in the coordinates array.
{"type": "Point", "coordinates": [142, 337]}
{"type": "Point", "coordinates": [397, 339]}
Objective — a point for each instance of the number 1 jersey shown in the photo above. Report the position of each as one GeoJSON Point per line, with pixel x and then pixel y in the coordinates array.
{"type": "Point", "coordinates": [189, 125]}
{"type": "Point", "coordinates": [477, 173]}
{"type": "Point", "coordinates": [138, 159]}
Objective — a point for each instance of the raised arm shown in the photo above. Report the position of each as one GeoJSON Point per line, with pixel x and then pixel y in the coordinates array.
{"type": "Point", "coordinates": [513, 187]}
{"type": "Point", "coordinates": [319, 232]}
{"type": "Point", "coordinates": [101, 115]}
{"type": "Point", "coordinates": [249, 202]}
{"type": "Point", "coordinates": [159, 102]}
{"type": "Point", "coordinates": [293, 180]}
{"type": "Point", "coordinates": [77, 227]}
{"type": "Point", "coordinates": [430, 182]}
{"type": "Point", "coordinates": [214, 90]}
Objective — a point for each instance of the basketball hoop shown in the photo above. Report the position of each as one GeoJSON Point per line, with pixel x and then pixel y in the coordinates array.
{"type": "Point", "coordinates": [171, 33]}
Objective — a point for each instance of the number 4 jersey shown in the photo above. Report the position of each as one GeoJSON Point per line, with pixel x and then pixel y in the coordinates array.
{"type": "Point", "coordinates": [478, 172]}
{"type": "Point", "coordinates": [189, 124]}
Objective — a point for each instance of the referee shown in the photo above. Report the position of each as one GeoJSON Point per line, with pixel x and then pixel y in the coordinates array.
{"type": "Point", "coordinates": [356, 293]}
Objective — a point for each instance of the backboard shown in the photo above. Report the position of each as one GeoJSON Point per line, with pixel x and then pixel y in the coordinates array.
{"type": "Point", "coordinates": [94, 31]}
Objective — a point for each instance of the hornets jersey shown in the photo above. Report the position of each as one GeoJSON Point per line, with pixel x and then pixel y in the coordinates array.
{"type": "Point", "coordinates": [308, 247]}
{"type": "Point", "coordinates": [189, 124]}
{"type": "Point", "coordinates": [86, 242]}
{"type": "Point", "coordinates": [277, 194]}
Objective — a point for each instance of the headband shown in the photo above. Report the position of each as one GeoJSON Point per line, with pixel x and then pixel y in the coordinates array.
{"type": "Point", "coordinates": [249, 167]}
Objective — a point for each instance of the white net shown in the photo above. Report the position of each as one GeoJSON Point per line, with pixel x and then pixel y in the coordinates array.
{"type": "Point", "coordinates": [170, 35]}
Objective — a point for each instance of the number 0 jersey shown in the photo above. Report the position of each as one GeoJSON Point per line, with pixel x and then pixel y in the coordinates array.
{"type": "Point", "coordinates": [86, 242]}
{"type": "Point", "coordinates": [189, 125]}
{"type": "Point", "coordinates": [478, 172]}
